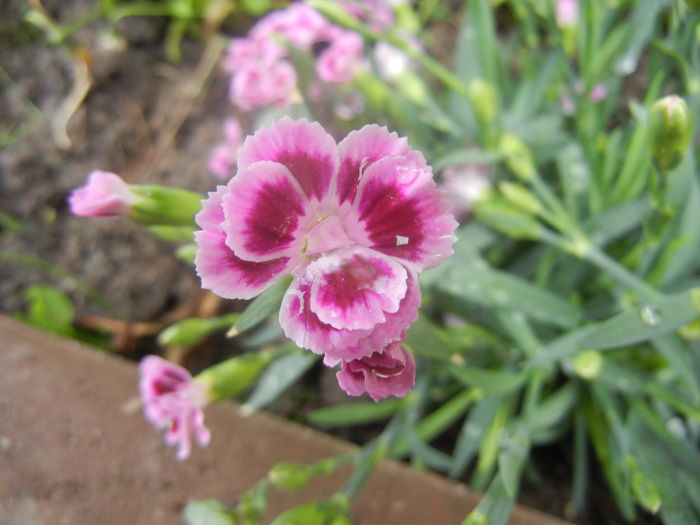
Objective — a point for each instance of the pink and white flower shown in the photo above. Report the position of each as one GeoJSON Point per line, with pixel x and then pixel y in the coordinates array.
{"type": "Point", "coordinates": [341, 60]}
{"type": "Point", "coordinates": [353, 223]}
{"type": "Point", "coordinates": [262, 83]}
{"type": "Point", "coordinates": [390, 372]}
{"type": "Point", "coordinates": [465, 184]}
{"type": "Point", "coordinates": [300, 24]}
{"type": "Point", "coordinates": [173, 401]}
{"type": "Point", "coordinates": [104, 195]}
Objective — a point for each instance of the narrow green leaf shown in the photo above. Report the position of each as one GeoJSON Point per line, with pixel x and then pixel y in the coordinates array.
{"type": "Point", "coordinates": [467, 156]}
{"type": "Point", "coordinates": [354, 413]}
{"type": "Point", "coordinates": [475, 424]}
{"type": "Point", "coordinates": [643, 323]}
{"type": "Point", "coordinates": [476, 282]}
{"type": "Point", "coordinates": [279, 376]}
{"type": "Point", "coordinates": [438, 421]}
{"type": "Point", "coordinates": [515, 451]}
{"type": "Point", "coordinates": [494, 508]}
{"type": "Point", "coordinates": [426, 339]}
{"type": "Point", "coordinates": [490, 382]}
{"type": "Point", "coordinates": [555, 407]}
{"type": "Point", "coordinates": [263, 306]}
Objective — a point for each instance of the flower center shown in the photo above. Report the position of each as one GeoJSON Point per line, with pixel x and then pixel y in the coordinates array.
{"type": "Point", "coordinates": [328, 234]}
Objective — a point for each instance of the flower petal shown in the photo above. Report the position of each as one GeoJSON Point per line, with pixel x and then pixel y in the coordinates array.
{"type": "Point", "coordinates": [264, 208]}
{"type": "Point", "coordinates": [304, 327]}
{"type": "Point", "coordinates": [363, 147]}
{"type": "Point", "coordinates": [304, 147]}
{"type": "Point", "coordinates": [404, 215]}
{"type": "Point", "coordinates": [229, 276]}
{"type": "Point", "coordinates": [219, 268]}
{"type": "Point", "coordinates": [354, 288]}
{"type": "Point", "coordinates": [390, 372]}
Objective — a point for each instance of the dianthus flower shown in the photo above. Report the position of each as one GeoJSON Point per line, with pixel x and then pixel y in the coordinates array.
{"type": "Point", "coordinates": [104, 195]}
{"type": "Point", "coordinates": [261, 83]}
{"type": "Point", "coordinates": [261, 73]}
{"type": "Point", "coordinates": [173, 401]}
{"type": "Point", "coordinates": [353, 223]}
{"type": "Point", "coordinates": [340, 61]}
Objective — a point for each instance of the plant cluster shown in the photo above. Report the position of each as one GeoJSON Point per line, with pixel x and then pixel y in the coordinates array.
{"type": "Point", "coordinates": [563, 136]}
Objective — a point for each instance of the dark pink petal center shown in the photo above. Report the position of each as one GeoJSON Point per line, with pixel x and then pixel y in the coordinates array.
{"type": "Point", "coordinates": [306, 168]}
{"type": "Point", "coordinates": [274, 218]}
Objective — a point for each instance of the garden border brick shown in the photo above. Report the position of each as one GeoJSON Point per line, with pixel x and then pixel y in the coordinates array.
{"type": "Point", "coordinates": [74, 449]}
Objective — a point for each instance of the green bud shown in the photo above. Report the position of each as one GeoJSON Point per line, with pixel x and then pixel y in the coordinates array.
{"type": "Point", "coordinates": [670, 128]}
{"type": "Point", "coordinates": [208, 512]}
{"type": "Point", "coordinates": [289, 476]}
{"type": "Point", "coordinates": [588, 364]}
{"type": "Point", "coordinates": [165, 206]}
{"type": "Point", "coordinates": [187, 252]}
{"type": "Point", "coordinates": [476, 517]}
{"type": "Point", "coordinates": [331, 511]}
{"type": "Point", "coordinates": [483, 99]}
{"type": "Point", "coordinates": [517, 156]}
{"type": "Point", "coordinates": [191, 331]}
{"type": "Point", "coordinates": [505, 218]}
{"type": "Point", "coordinates": [520, 197]}
{"type": "Point", "coordinates": [412, 86]}
{"type": "Point", "coordinates": [233, 376]}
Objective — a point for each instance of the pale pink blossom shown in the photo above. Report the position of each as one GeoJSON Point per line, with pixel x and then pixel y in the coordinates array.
{"type": "Point", "coordinates": [353, 223]}
{"type": "Point", "coordinates": [243, 50]}
{"type": "Point", "coordinates": [598, 93]}
{"type": "Point", "coordinates": [464, 184]}
{"type": "Point", "coordinates": [258, 83]}
{"type": "Point", "coordinates": [173, 402]}
{"type": "Point", "coordinates": [566, 13]}
{"type": "Point", "coordinates": [299, 23]}
{"type": "Point", "coordinates": [104, 195]}
{"type": "Point", "coordinates": [390, 372]}
{"type": "Point", "coordinates": [223, 157]}
{"type": "Point", "coordinates": [340, 61]}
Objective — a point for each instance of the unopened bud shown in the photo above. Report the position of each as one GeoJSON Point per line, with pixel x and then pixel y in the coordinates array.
{"type": "Point", "coordinates": [520, 197]}
{"type": "Point", "coordinates": [483, 99]}
{"type": "Point", "coordinates": [234, 375]}
{"type": "Point", "coordinates": [289, 476]}
{"type": "Point", "coordinates": [331, 511]}
{"type": "Point", "coordinates": [502, 216]}
{"type": "Point", "coordinates": [670, 128]}
{"type": "Point", "coordinates": [189, 332]}
{"type": "Point", "coordinates": [588, 364]}
{"type": "Point", "coordinates": [517, 156]}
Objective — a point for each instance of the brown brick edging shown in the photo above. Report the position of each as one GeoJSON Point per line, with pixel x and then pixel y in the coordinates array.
{"type": "Point", "coordinates": [74, 449]}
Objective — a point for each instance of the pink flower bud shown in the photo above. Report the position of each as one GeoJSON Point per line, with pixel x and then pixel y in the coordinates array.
{"type": "Point", "coordinates": [104, 195]}
{"type": "Point", "coordinates": [566, 13]}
